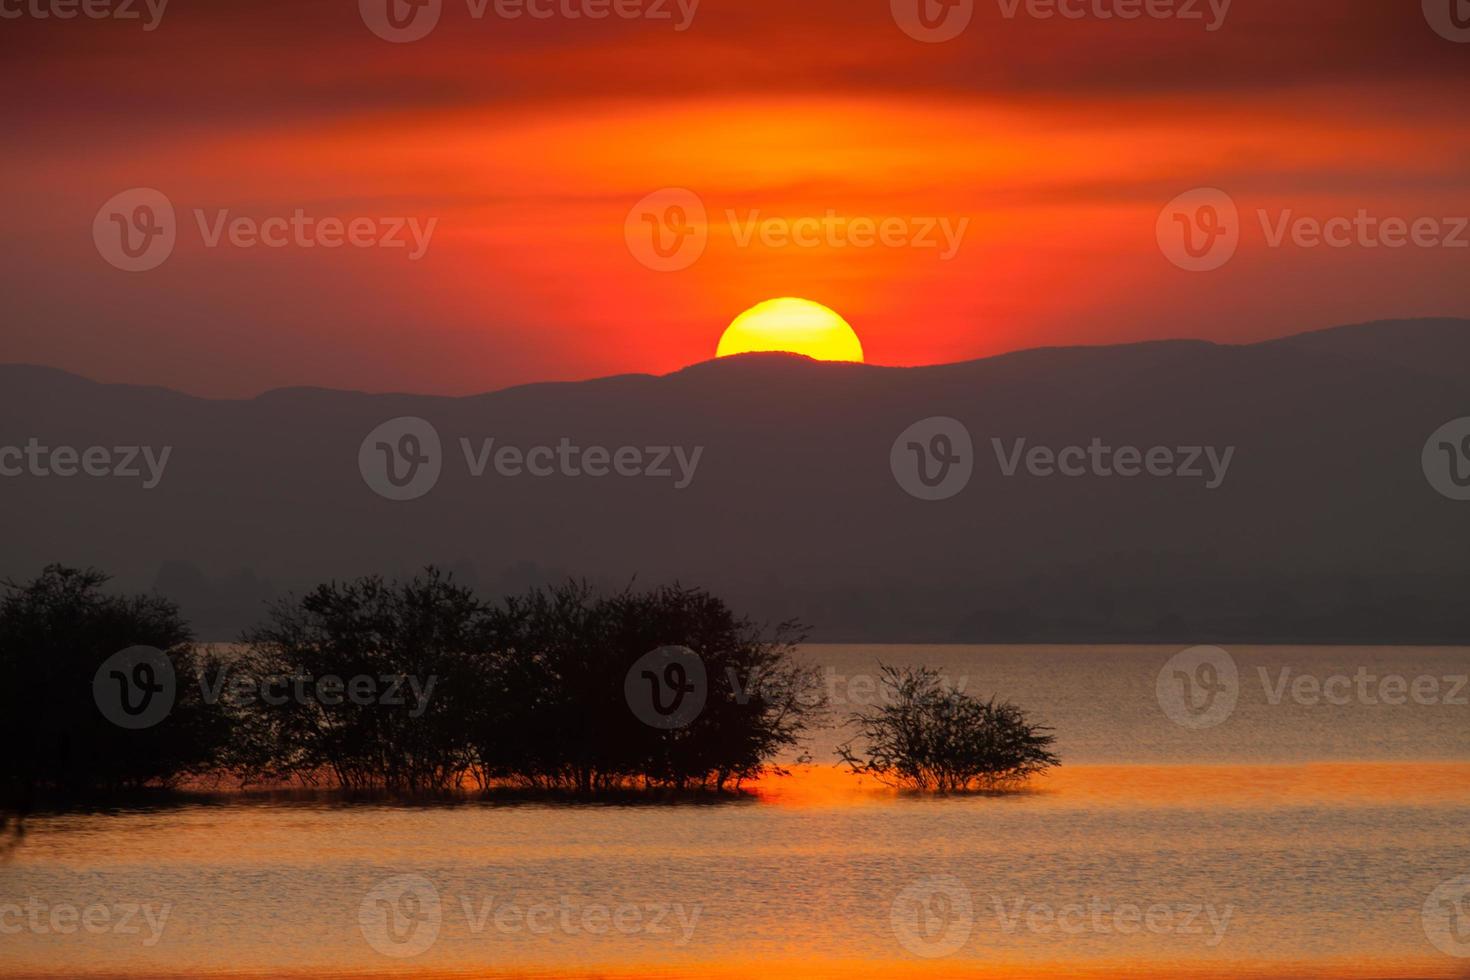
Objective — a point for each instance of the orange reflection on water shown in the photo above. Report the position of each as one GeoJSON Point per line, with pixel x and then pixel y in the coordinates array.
{"type": "Point", "coordinates": [794, 882]}
{"type": "Point", "coordinates": [1363, 783]}
{"type": "Point", "coordinates": [1345, 969]}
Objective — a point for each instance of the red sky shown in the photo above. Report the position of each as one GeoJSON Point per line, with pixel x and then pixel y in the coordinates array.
{"type": "Point", "coordinates": [1055, 143]}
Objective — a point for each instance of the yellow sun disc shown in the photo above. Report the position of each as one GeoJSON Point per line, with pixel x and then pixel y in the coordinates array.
{"type": "Point", "coordinates": [796, 326]}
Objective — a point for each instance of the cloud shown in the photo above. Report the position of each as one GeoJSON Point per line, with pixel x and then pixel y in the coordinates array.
{"type": "Point", "coordinates": [271, 63]}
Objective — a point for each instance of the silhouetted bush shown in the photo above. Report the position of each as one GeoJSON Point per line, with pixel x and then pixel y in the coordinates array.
{"type": "Point", "coordinates": [558, 712]}
{"type": "Point", "coordinates": [532, 694]}
{"type": "Point", "coordinates": [55, 634]}
{"type": "Point", "coordinates": [927, 736]}
{"type": "Point", "coordinates": [364, 683]}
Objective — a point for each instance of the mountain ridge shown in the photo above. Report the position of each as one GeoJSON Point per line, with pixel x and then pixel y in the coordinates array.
{"type": "Point", "coordinates": [1324, 529]}
{"type": "Point", "coordinates": [1321, 339]}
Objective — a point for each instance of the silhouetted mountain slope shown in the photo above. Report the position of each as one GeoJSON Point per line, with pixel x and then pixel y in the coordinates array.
{"type": "Point", "coordinates": [1324, 527]}
{"type": "Point", "coordinates": [1434, 346]}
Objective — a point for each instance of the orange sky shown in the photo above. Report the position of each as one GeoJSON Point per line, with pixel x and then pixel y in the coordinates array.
{"type": "Point", "coordinates": [1052, 143]}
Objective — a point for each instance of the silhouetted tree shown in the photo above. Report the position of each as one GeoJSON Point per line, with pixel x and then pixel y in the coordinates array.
{"type": "Point", "coordinates": [559, 715]}
{"type": "Point", "coordinates": [414, 686]}
{"type": "Point", "coordinates": [927, 736]}
{"type": "Point", "coordinates": [366, 683]}
{"type": "Point", "coordinates": [56, 632]}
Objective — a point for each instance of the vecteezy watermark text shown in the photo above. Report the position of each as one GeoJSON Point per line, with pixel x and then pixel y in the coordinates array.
{"type": "Point", "coordinates": [36, 459]}
{"type": "Point", "coordinates": [840, 231]}
{"type": "Point", "coordinates": [1098, 459]}
{"type": "Point", "coordinates": [1365, 687]}
{"type": "Point", "coordinates": [329, 690]}
{"type": "Point", "coordinates": [1211, 13]}
{"type": "Point", "coordinates": [569, 459]}
{"type": "Point", "coordinates": [937, 21]}
{"type": "Point", "coordinates": [863, 690]}
{"type": "Point", "coordinates": [1100, 916]}
{"type": "Point", "coordinates": [149, 12]}
{"type": "Point", "coordinates": [1362, 230]}
{"type": "Point", "coordinates": [305, 231]}
{"type": "Point", "coordinates": [40, 918]}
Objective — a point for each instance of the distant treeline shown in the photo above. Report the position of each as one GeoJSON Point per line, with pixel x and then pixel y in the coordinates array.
{"type": "Point", "coordinates": [422, 686]}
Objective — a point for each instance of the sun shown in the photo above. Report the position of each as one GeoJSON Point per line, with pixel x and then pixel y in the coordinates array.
{"type": "Point", "coordinates": [796, 326]}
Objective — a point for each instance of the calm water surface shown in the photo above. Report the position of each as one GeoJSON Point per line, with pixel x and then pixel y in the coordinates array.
{"type": "Point", "coordinates": [1290, 837]}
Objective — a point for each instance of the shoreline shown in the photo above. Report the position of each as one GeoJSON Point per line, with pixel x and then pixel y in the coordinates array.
{"type": "Point", "coordinates": [1429, 782]}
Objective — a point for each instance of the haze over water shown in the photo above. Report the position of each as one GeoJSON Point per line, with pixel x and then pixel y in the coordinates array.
{"type": "Point", "coordinates": [1289, 839]}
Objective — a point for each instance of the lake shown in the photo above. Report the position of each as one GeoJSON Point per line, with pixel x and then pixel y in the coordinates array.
{"type": "Point", "coordinates": [1259, 811]}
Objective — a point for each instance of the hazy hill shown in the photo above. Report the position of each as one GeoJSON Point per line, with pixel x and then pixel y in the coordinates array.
{"type": "Point", "coordinates": [1325, 527]}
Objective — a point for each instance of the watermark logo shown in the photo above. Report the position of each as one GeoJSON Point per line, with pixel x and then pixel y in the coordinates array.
{"type": "Point", "coordinates": [933, 459]}
{"type": "Point", "coordinates": [136, 230]}
{"type": "Point", "coordinates": [401, 459]}
{"type": "Point", "coordinates": [400, 917]}
{"type": "Point", "coordinates": [1446, 917]}
{"type": "Point", "coordinates": [933, 917]}
{"type": "Point", "coordinates": [932, 21]}
{"type": "Point", "coordinates": [1449, 18]}
{"type": "Point", "coordinates": [667, 688]}
{"type": "Point", "coordinates": [1446, 459]}
{"type": "Point", "coordinates": [1199, 230]}
{"type": "Point", "coordinates": [668, 230]}
{"type": "Point", "coordinates": [135, 688]}
{"type": "Point", "coordinates": [401, 21]}
{"type": "Point", "coordinates": [1199, 687]}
